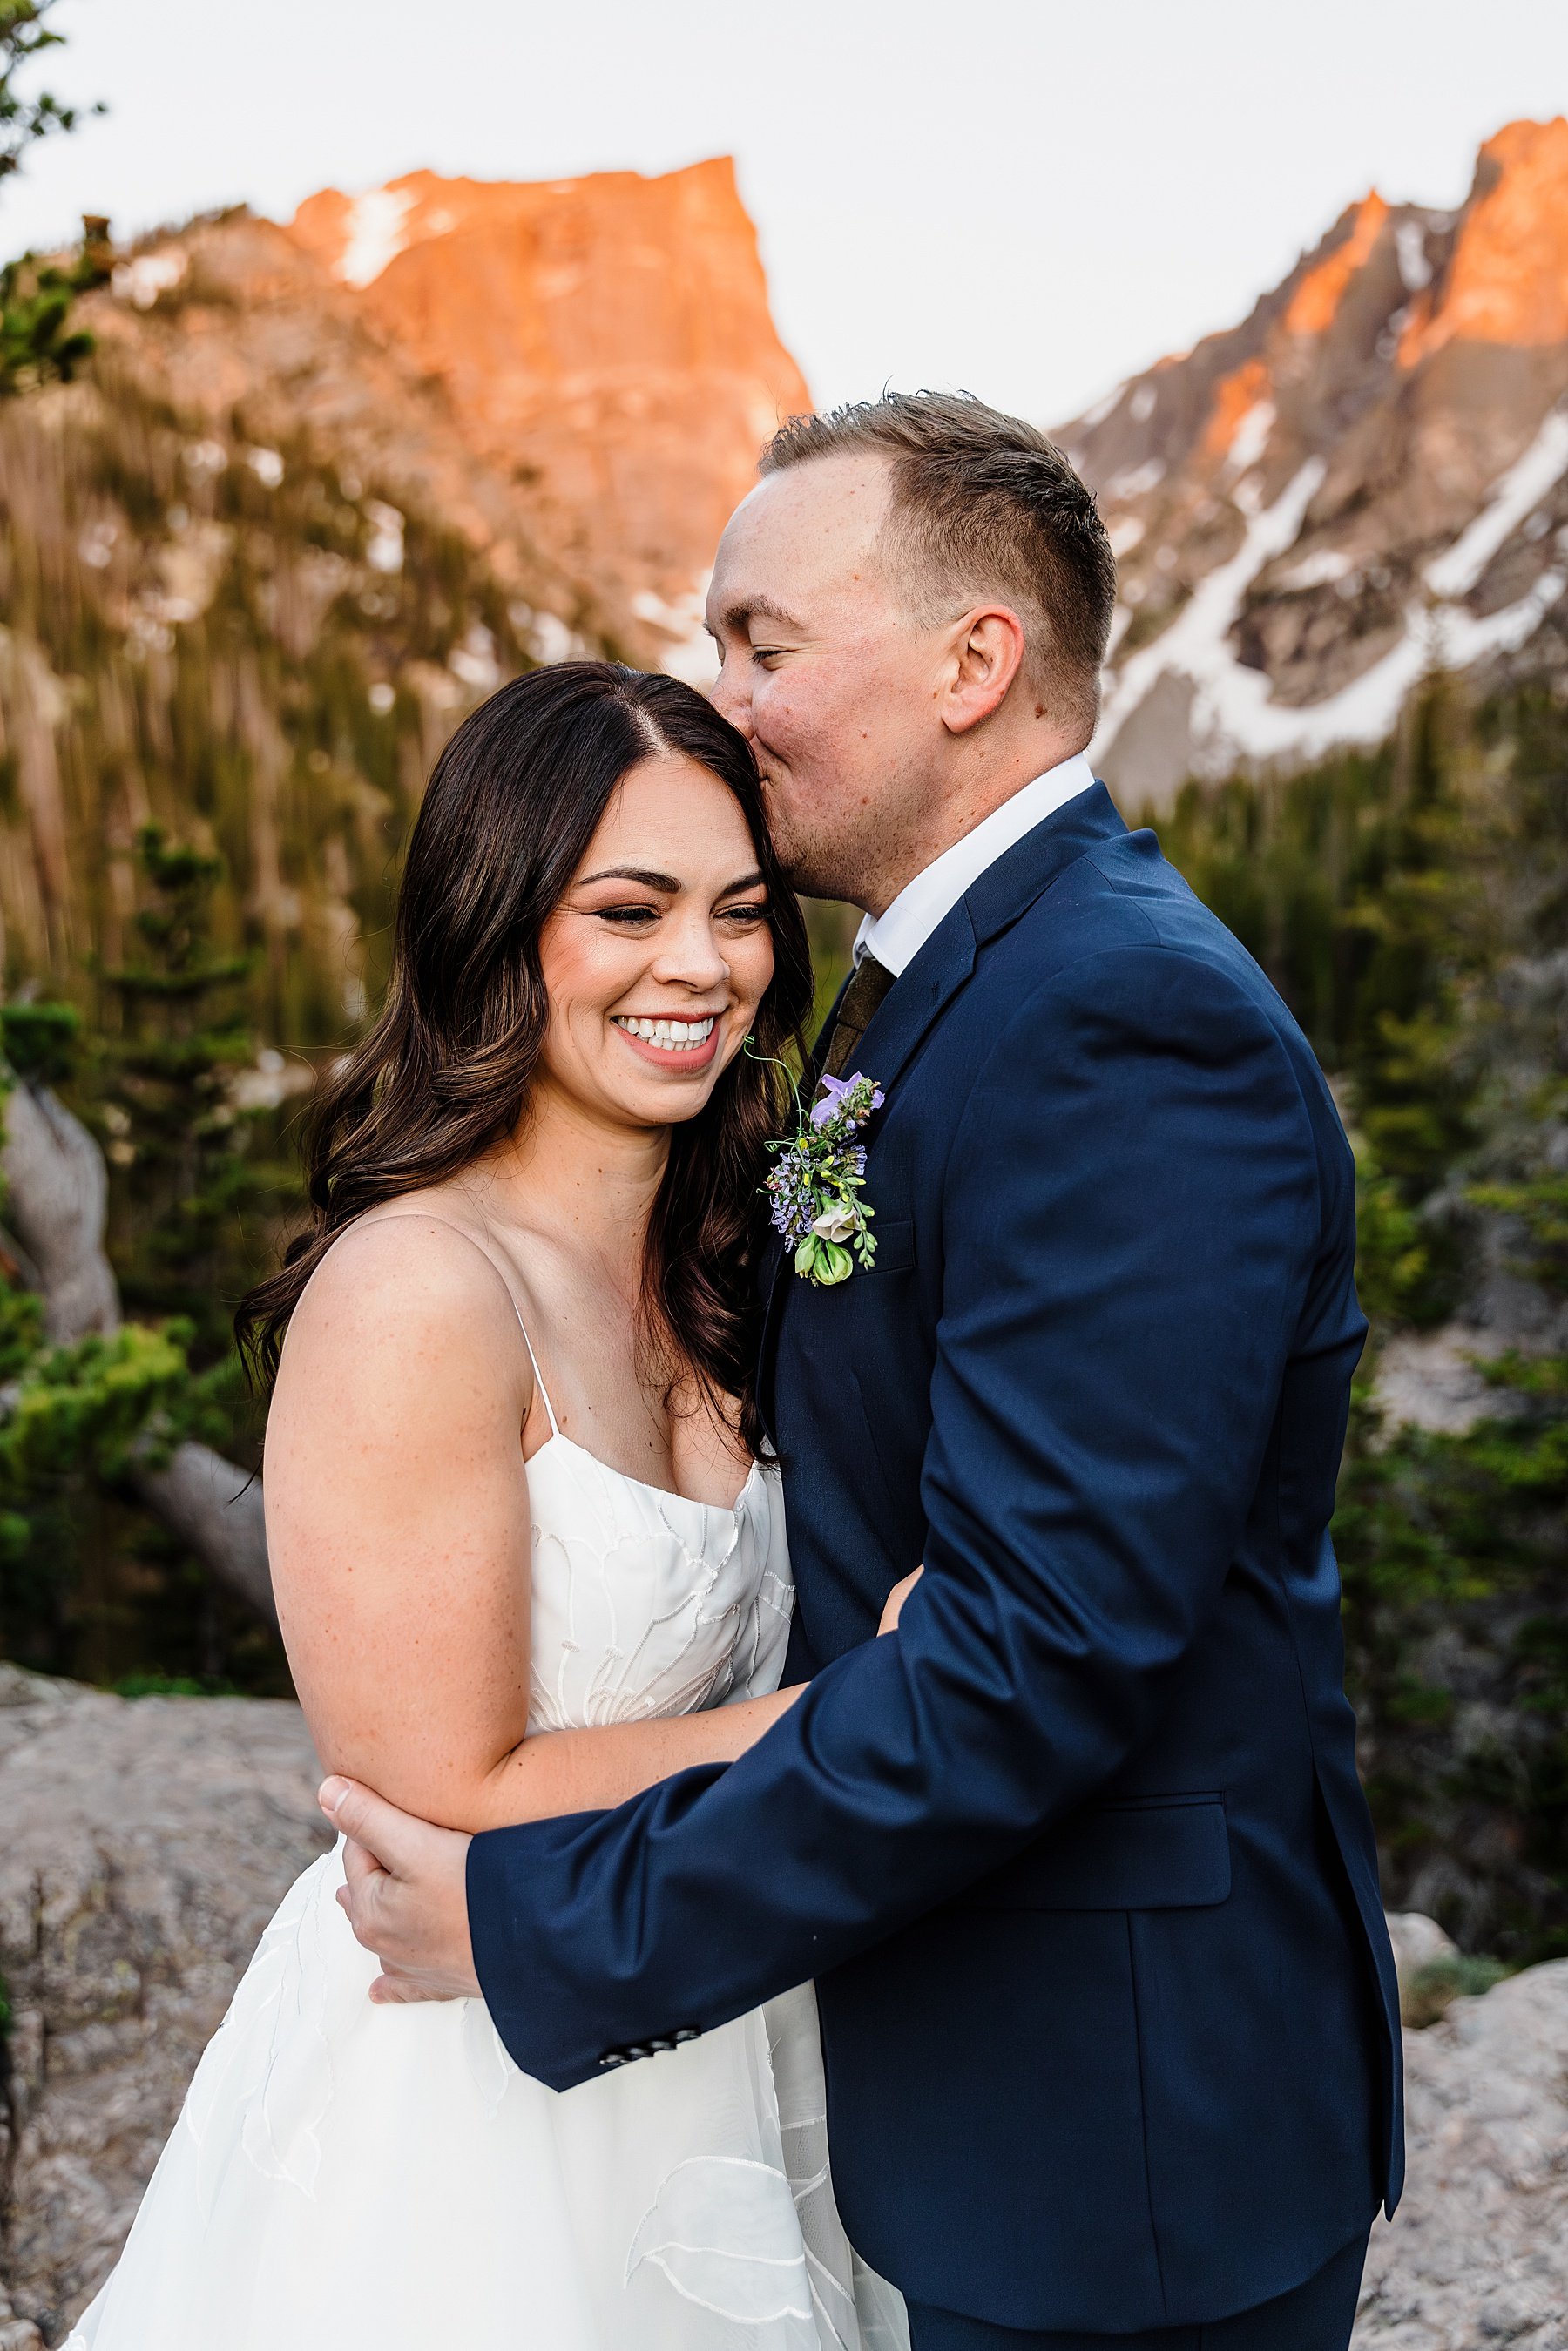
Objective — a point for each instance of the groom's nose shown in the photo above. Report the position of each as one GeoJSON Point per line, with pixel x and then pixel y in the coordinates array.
{"type": "Point", "coordinates": [731, 698]}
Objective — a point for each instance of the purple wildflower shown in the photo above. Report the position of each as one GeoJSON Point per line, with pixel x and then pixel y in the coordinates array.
{"type": "Point", "coordinates": [832, 1101]}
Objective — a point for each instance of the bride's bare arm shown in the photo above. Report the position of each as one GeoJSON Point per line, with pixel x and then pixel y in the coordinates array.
{"type": "Point", "coordinates": [587, 1771]}
{"type": "Point", "coordinates": [581, 1771]}
{"type": "Point", "coordinates": [398, 1526]}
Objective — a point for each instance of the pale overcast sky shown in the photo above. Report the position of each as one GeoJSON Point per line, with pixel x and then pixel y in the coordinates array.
{"type": "Point", "coordinates": [1029, 199]}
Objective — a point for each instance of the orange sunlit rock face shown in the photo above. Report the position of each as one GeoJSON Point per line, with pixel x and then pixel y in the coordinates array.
{"type": "Point", "coordinates": [608, 337]}
{"type": "Point", "coordinates": [1236, 397]}
{"type": "Point", "coordinates": [1321, 290]}
{"type": "Point", "coordinates": [1507, 281]}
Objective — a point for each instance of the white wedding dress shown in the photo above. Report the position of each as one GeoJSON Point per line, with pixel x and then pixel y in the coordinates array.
{"type": "Point", "coordinates": [350, 2177]}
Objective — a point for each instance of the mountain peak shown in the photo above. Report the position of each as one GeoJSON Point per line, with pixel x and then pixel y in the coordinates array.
{"type": "Point", "coordinates": [1507, 277]}
{"type": "Point", "coordinates": [609, 336]}
{"type": "Point", "coordinates": [1365, 478]}
{"type": "Point", "coordinates": [1318, 295]}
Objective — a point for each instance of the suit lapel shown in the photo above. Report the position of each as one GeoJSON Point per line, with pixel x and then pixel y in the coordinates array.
{"type": "Point", "coordinates": [914, 1002]}
{"type": "Point", "coordinates": [1010, 887]}
{"type": "Point", "coordinates": [924, 990]}
{"type": "Point", "coordinates": [1004, 891]}
{"type": "Point", "coordinates": [917, 998]}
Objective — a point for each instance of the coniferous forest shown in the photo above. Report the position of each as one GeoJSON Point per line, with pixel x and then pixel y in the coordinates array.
{"type": "Point", "coordinates": [1412, 905]}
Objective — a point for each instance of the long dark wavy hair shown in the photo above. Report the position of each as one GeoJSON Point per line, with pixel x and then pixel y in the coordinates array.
{"type": "Point", "coordinates": [511, 808]}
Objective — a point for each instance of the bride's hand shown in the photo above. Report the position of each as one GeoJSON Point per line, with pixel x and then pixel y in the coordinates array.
{"type": "Point", "coordinates": [892, 1607]}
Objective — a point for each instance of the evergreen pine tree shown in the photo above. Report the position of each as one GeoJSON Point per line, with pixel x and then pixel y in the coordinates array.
{"type": "Point", "coordinates": [188, 1167]}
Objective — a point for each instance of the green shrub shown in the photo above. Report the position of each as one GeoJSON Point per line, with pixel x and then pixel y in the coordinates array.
{"type": "Point", "coordinates": [1431, 1991]}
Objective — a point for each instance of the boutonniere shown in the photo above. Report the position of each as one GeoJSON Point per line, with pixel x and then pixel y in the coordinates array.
{"type": "Point", "coordinates": [816, 1184]}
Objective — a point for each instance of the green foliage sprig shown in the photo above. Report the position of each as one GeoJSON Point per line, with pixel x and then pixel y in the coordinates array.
{"type": "Point", "coordinates": [24, 35]}
{"type": "Point", "coordinates": [38, 344]}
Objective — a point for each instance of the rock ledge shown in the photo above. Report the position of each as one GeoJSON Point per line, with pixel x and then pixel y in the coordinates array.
{"type": "Point", "coordinates": [146, 1843]}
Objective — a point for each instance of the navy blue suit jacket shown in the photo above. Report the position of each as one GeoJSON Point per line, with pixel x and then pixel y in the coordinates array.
{"type": "Point", "coordinates": [1079, 1861]}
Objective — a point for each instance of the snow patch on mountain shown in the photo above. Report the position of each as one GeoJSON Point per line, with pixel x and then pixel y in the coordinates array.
{"type": "Point", "coordinates": [1410, 245]}
{"type": "Point", "coordinates": [688, 652]}
{"type": "Point", "coordinates": [1233, 714]}
{"type": "Point", "coordinates": [1196, 641]}
{"type": "Point", "coordinates": [1252, 436]}
{"type": "Point", "coordinates": [1138, 480]}
{"type": "Point", "coordinates": [1516, 495]}
{"type": "Point", "coordinates": [375, 237]}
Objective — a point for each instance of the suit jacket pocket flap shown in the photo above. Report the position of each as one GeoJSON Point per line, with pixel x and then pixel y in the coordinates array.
{"type": "Point", "coordinates": [1165, 1853]}
{"type": "Point", "coordinates": [895, 1245]}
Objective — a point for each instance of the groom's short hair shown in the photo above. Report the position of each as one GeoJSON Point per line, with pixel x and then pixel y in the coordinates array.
{"type": "Point", "coordinates": [982, 502]}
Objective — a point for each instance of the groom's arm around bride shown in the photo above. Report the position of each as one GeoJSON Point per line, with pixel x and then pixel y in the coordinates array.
{"type": "Point", "coordinates": [1079, 1861]}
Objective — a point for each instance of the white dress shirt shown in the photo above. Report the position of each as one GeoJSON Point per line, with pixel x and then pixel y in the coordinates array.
{"type": "Point", "coordinates": [896, 935]}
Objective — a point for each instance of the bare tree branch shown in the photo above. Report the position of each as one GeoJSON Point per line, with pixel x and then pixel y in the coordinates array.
{"type": "Point", "coordinates": [58, 1197]}
{"type": "Point", "coordinates": [216, 1511]}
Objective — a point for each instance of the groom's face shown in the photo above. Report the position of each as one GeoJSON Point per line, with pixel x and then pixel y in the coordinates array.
{"type": "Point", "coordinates": [828, 673]}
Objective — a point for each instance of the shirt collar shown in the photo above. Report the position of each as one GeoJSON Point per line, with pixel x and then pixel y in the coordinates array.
{"type": "Point", "coordinates": [896, 935]}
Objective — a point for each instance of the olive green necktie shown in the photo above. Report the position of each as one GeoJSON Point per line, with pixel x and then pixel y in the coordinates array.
{"type": "Point", "coordinates": [857, 1009]}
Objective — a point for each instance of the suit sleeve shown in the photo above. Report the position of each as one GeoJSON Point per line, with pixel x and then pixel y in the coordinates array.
{"type": "Point", "coordinates": [1131, 1213]}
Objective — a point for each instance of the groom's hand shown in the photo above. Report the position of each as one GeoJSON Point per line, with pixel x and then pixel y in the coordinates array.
{"type": "Point", "coordinates": [406, 1895]}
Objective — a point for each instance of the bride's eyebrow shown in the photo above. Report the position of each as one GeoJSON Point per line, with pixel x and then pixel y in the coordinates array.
{"type": "Point", "coordinates": [665, 883]}
{"type": "Point", "coordinates": [747, 882]}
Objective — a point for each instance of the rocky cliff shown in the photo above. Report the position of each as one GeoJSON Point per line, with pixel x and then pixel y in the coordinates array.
{"type": "Point", "coordinates": [232, 320]}
{"type": "Point", "coordinates": [605, 340]}
{"type": "Point", "coordinates": [1368, 478]}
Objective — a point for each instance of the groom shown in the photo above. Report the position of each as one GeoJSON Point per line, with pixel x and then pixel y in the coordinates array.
{"type": "Point", "coordinates": [1079, 1862]}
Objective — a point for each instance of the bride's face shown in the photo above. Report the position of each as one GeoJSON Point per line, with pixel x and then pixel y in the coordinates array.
{"type": "Point", "coordinates": [660, 952]}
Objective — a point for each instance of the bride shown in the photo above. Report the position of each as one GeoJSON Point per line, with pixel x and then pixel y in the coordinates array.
{"type": "Point", "coordinates": [528, 1562]}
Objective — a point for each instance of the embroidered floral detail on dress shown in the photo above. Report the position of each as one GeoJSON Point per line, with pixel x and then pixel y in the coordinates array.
{"type": "Point", "coordinates": [725, 2233]}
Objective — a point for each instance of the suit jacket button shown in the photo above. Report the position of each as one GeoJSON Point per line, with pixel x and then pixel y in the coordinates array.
{"type": "Point", "coordinates": [637, 2049]}
{"type": "Point", "coordinates": [687, 2033]}
{"type": "Point", "coordinates": [613, 2057]}
{"type": "Point", "coordinates": [660, 2043]}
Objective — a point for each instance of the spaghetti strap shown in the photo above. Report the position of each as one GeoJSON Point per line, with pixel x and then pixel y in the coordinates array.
{"type": "Point", "coordinates": [424, 1216]}
{"type": "Point", "coordinates": [539, 1375]}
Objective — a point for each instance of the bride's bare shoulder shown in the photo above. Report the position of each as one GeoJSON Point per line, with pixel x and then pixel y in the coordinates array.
{"type": "Point", "coordinates": [404, 1284]}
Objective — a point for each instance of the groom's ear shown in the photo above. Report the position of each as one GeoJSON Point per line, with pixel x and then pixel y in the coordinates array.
{"type": "Point", "coordinates": [986, 651]}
